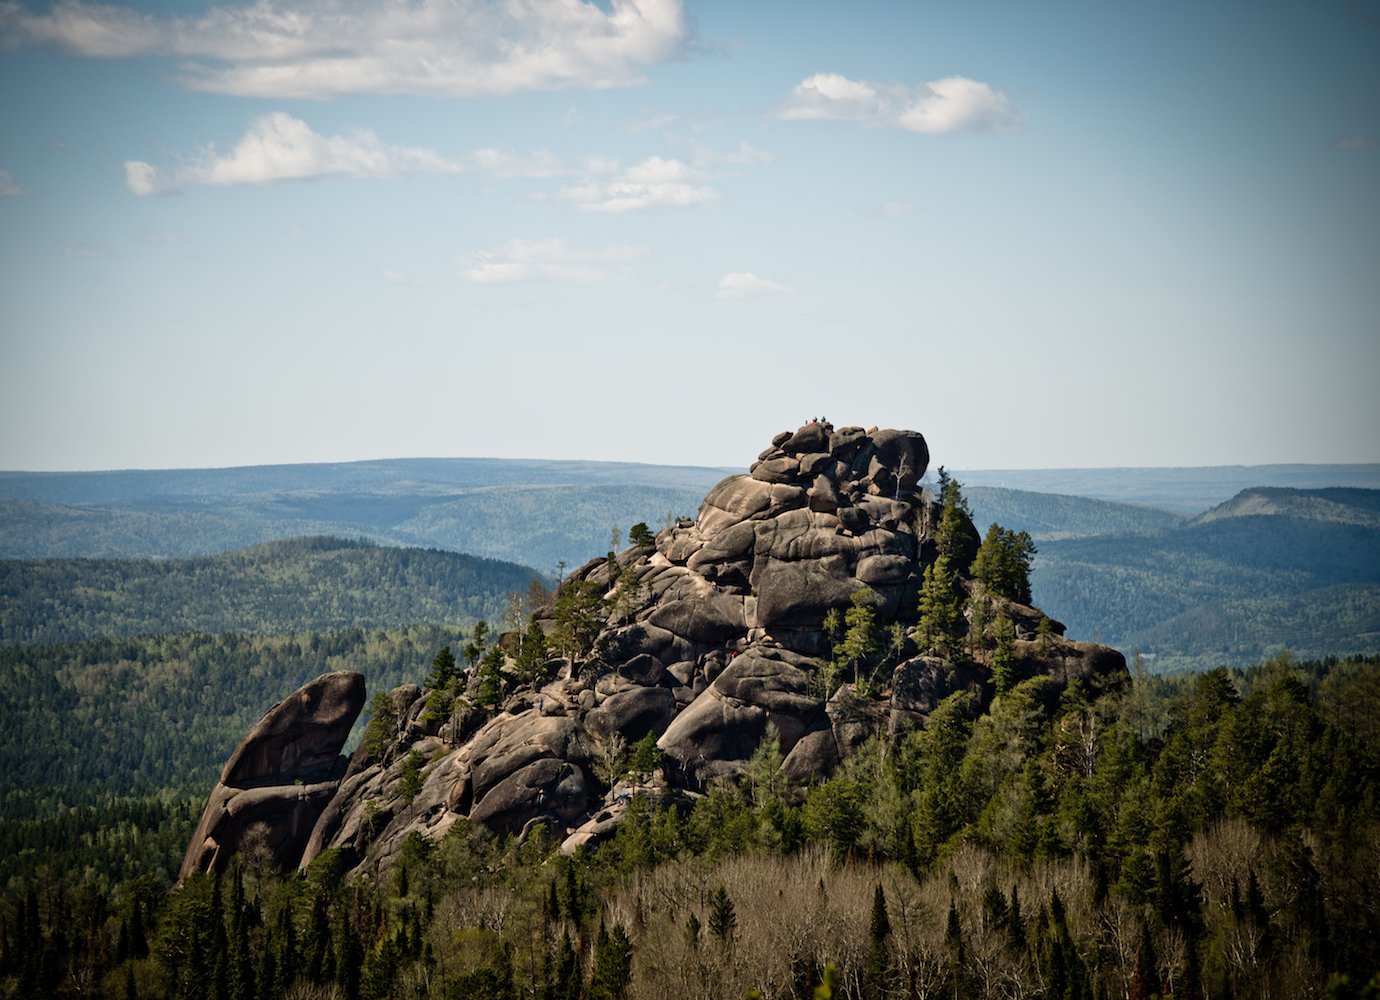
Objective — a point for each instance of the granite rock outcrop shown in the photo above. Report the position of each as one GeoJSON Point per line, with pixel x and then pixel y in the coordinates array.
{"type": "Point", "coordinates": [707, 640]}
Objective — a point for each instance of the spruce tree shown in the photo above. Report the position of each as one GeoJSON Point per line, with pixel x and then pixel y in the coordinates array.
{"type": "Point", "coordinates": [443, 670]}
{"type": "Point", "coordinates": [723, 919]}
{"type": "Point", "coordinates": [941, 625]}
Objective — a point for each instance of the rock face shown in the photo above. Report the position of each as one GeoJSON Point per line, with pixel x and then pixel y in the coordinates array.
{"type": "Point", "coordinates": [710, 639]}
{"type": "Point", "coordinates": [281, 776]}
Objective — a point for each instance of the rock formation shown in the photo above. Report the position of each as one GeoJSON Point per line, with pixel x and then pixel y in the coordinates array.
{"type": "Point", "coordinates": [708, 639]}
{"type": "Point", "coordinates": [281, 776]}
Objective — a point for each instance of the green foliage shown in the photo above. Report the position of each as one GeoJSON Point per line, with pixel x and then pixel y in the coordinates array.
{"type": "Point", "coordinates": [410, 782]}
{"type": "Point", "coordinates": [954, 533]}
{"type": "Point", "coordinates": [532, 654]}
{"type": "Point", "coordinates": [443, 670]}
{"type": "Point", "coordinates": [139, 714]}
{"type": "Point", "coordinates": [1135, 852]}
{"type": "Point", "coordinates": [723, 917]}
{"type": "Point", "coordinates": [639, 534]}
{"type": "Point", "coordinates": [861, 637]}
{"type": "Point", "coordinates": [382, 727]}
{"type": "Point", "coordinates": [645, 757]}
{"type": "Point", "coordinates": [1225, 591]}
{"type": "Point", "coordinates": [490, 690]}
{"type": "Point", "coordinates": [1002, 564]}
{"type": "Point", "coordinates": [580, 615]}
{"type": "Point", "coordinates": [941, 626]}
{"type": "Point", "coordinates": [291, 586]}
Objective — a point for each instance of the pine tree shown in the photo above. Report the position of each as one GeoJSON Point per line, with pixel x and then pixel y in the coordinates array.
{"type": "Point", "coordinates": [490, 691]}
{"type": "Point", "coordinates": [443, 670]}
{"type": "Point", "coordinates": [723, 919]}
{"type": "Point", "coordinates": [860, 637]}
{"type": "Point", "coordinates": [1002, 564]}
{"type": "Point", "coordinates": [941, 625]}
{"type": "Point", "coordinates": [612, 965]}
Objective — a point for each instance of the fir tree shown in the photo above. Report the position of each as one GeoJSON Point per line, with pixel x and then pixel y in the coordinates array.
{"type": "Point", "coordinates": [443, 670]}
{"type": "Point", "coordinates": [723, 919]}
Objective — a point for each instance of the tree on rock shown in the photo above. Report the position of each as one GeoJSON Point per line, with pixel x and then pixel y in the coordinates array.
{"type": "Point", "coordinates": [533, 653]}
{"type": "Point", "coordinates": [580, 616]}
{"type": "Point", "coordinates": [443, 670]}
{"type": "Point", "coordinates": [860, 638]}
{"type": "Point", "coordinates": [1002, 563]}
{"type": "Point", "coordinates": [941, 626]}
{"type": "Point", "coordinates": [953, 535]}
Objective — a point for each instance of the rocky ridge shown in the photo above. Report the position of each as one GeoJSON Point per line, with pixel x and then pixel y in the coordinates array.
{"type": "Point", "coordinates": [708, 638]}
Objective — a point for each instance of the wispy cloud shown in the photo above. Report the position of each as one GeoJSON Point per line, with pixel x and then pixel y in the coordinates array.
{"type": "Point", "coordinates": [656, 182]}
{"type": "Point", "coordinates": [326, 48]}
{"type": "Point", "coordinates": [745, 284]}
{"type": "Point", "coordinates": [84, 248]}
{"type": "Point", "coordinates": [549, 260]}
{"type": "Point", "coordinates": [940, 107]}
{"type": "Point", "coordinates": [9, 187]}
{"type": "Point", "coordinates": [505, 163]}
{"type": "Point", "coordinates": [1356, 140]}
{"type": "Point", "coordinates": [279, 147]}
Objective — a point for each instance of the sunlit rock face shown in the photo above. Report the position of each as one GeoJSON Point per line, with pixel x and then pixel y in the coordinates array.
{"type": "Point", "coordinates": [713, 636]}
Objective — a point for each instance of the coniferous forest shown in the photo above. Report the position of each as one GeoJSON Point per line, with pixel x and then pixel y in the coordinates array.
{"type": "Point", "coordinates": [1208, 835]}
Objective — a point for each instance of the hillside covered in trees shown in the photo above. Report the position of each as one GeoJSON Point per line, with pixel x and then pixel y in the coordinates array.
{"type": "Point", "coordinates": [817, 743]}
{"type": "Point", "coordinates": [279, 587]}
{"type": "Point", "coordinates": [1195, 836]}
{"type": "Point", "coordinates": [1267, 571]}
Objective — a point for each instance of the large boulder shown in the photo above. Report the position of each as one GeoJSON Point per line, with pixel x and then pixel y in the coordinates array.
{"type": "Point", "coordinates": [281, 776]}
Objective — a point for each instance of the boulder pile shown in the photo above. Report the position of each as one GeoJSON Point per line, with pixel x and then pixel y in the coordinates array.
{"type": "Point", "coordinates": [709, 639]}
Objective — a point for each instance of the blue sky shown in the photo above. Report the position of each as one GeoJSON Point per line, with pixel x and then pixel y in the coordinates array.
{"type": "Point", "coordinates": [1043, 234]}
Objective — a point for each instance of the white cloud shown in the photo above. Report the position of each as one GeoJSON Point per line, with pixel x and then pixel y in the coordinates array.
{"type": "Point", "coordinates": [940, 107]}
{"type": "Point", "coordinates": [326, 48]}
{"type": "Point", "coordinates": [9, 187]}
{"type": "Point", "coordinates": [1347, 143]}
{"type": "Point", "coordinates": [743, 284]}
{"type": "Point", "coordinates": [549, 260]}
{"type": "Point", "coordinates": [505, 163]}
{"type": "Point", "coordinates": [656, 182]}
{"type": "Point", "coordinates": [279, 147]}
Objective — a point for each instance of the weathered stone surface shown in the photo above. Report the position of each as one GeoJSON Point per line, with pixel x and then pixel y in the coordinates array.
{"type": "Point", "coordinates": [810, 438]}
{"type": "Point", "coordinates": [814, 754]}
{"type": "Point", "coordinates": [800, 592]}
{"type": "Point", "coordinates": [545, 786]}
{"type": "Point", "coordinates": [776, 470]}
{"type": "Point", "coordinates": [281, 776]}
{"type": "Point", "coordinates": [713, 619]}
{"type": "Point", "coordinates": [713, 648]}
{"type": "Point", "coordinates": [633, 713]}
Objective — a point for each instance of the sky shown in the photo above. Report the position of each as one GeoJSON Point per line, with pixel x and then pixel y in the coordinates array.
{"type": "Point", "coordinates": [1055, 234]}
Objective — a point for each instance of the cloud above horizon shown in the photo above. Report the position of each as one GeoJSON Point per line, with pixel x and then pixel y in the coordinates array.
{"type": "Point", "coordinates": [549, 260]}
{"type": "Point", "coordinates": [278, 147]}
{"type": "Point", "coordinates": [745, 284]}
{"type": "Point", "coordinates": [940, 107]}
{"type": "Point", "coordinates": [9, 187]}
{"type": "Point", "coordinates": [656, 182]}
{"type": "Point", "coordinates": [328, 48]}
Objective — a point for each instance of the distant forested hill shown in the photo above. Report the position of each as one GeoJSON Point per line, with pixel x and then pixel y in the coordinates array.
{"type": "Point", "coordinates": [532, 512]}
{"type": "Point", "coordinates": [288, 586]}
{"type": "Point", "coordinates": [1056, 515]}
{"type": "Point", "coordinates": [1227, 588]}
{"type": "Point", "coordinates": [140, 714]}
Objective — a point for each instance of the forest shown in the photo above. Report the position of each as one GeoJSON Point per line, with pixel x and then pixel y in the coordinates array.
{"type": "Point", "coordinates": [314, 583]}
{"type": "Point", "coordinates": [139, 715]}
{"type": "Point", "coordinates": [1213, 835]}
